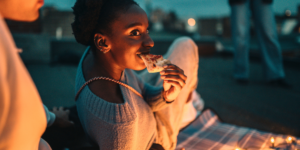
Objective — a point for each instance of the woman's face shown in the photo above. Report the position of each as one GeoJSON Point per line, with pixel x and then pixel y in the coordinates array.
{"type": "Point", "coordinates": [21, 10]}
{"type": "Point", "coordinates": [129, 38]}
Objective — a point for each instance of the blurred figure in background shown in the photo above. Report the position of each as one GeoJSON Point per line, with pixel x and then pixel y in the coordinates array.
{"type": "Point", "coordinates": [264, 21]}
{"type": "Point", "coordinates": [58, 117]}
{"type": "Point", "coordinates": [64, 130]}
{"type": "Point", "coordinates": [22, 116]}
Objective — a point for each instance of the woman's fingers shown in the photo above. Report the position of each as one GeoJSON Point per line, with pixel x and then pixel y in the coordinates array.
{"type": "Point", "coordinates": [173, 72]}
{"type": "Point", "coordinates": [174, 78]}
{"type": "Point", "coordinates": [173, 67]}
{"type": "Point", "coordinates": [175, 84]}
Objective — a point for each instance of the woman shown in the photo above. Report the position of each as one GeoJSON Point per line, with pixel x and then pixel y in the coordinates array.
{"type": "Point", "coordinates": [113, 116]}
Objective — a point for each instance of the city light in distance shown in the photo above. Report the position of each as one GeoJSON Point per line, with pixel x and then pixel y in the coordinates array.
{"type": "Point", "coordinates": [288, 13]}
{"type": "Point", "coordinates": [191, 22]}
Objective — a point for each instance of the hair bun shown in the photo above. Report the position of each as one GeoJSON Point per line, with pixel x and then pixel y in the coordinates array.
{"type": "Point", "coordinates": [92, 16]}
{"type": "Point", "coordinates": [86, 16]}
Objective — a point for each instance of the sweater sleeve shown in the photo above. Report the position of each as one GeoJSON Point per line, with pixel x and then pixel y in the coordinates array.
{"type": "Point", "coordinates": [22, 119]}
{"type": "Point", "coordinates": [50, 116]}
{"type": "Point", "coordinates": [152, 95]}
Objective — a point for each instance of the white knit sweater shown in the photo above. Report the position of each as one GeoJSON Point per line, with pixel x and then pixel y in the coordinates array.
{"type": "Point", "coordinates": [127, 126]}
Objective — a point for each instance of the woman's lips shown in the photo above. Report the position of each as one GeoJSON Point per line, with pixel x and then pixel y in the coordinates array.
{"type": "Point", "coordinates": [142, 53]}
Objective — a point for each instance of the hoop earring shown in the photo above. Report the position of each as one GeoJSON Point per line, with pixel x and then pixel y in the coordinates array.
{"type": "Point", "coordinates": [104, 50]}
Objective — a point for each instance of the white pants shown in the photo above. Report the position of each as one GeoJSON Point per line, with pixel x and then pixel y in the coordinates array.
{"type": "Point", "coordinates": [183, 53]}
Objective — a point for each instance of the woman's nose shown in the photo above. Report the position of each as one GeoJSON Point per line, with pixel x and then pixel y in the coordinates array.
{"type": "Point", "coordinates": [148, 42]}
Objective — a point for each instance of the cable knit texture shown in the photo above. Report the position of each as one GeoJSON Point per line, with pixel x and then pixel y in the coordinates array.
{"type": "Point", "coordinates": [127, 126]}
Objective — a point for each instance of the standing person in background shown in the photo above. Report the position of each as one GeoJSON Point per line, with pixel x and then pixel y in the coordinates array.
{"type": "Point", "coordinates": [22, 116]}
{"type": "Point", "coordinates": [265, 28]}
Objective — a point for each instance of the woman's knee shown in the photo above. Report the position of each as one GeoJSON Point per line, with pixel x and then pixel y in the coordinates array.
{"type": "Point", "coordinates": [187, 46]}
{"type": "Point", "coordinates": [191, 50]}
{"type": "Point", "coordinates": [184, 54]}
{"type": "Point", "coordinates": [186, 41]}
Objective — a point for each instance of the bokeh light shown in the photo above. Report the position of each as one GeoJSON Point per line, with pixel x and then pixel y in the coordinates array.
{"type": "Point", "coordinates": [288, 13]}
{"type": "Point", "coordinates": [191, 21]}
{"type": "Point", "coordinates": [272, 140]}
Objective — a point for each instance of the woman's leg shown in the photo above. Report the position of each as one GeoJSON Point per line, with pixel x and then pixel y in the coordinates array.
{"type": "Point", "coordinates": [184, 53]}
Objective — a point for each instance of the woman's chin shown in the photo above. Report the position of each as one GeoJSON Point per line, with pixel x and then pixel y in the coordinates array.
{"type": "Point", "coordinates": [139, 67]}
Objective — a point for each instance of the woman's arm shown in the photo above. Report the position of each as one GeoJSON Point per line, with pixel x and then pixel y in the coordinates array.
{"type": "Point", "coordinates": [153, 95]}
{"type": "Point", "coordinates": [159, 97]}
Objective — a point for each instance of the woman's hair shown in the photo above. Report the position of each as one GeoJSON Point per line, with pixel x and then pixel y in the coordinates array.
{"type": "Point", "coordinates": [93, 16]}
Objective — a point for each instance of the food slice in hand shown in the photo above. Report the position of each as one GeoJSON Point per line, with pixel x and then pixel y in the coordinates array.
{"type": "Point", "coordinates": [154, 63]}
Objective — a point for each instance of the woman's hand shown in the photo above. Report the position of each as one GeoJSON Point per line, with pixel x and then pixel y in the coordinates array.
{"type": "Point", "coordinates": [174, 81]}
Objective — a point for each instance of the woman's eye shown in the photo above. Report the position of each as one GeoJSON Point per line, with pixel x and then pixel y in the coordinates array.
{"type": "Point", "coordinates": [135, 33]}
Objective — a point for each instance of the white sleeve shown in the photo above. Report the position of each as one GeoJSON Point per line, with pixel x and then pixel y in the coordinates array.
{"type": "Point", "coordinates": [21, 108]}
{"type": "Point", "coordinates": [50, 116]}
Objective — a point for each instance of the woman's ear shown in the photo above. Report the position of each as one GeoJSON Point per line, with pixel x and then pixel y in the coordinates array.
{"type": "Point", "coordinates": [100, 42]}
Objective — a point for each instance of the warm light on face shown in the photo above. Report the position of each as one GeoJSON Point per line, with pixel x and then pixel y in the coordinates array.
{"type": "Point", "coordinates": [21, 10]}
{"type": "Point", "coordinates": [191, 22]}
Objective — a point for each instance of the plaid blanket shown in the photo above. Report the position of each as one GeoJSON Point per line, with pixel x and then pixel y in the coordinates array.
{"type": "Point", "coordinates": [207, 132]}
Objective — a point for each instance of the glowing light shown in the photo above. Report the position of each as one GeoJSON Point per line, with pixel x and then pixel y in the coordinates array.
{"type": "Point", "coordinates": [237, 149]}
{"type": "Point", "coordinates": [191, 21]}
{"type": "Point", "coordinates": [288, 13]}
{"type": "Point", "coordinates": [289, 140]}
{"type": "Point", "coordinates": [272, 140]}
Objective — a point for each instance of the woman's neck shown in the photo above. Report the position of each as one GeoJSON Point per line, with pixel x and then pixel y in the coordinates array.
{"type": "Point", "coordinates": [105, 66]}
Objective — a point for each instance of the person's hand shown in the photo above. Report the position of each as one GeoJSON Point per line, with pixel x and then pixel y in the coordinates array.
{"type": "Point", "coordinates": [174, 81]}
{"type": "Point", "coordinates": [62, 117]}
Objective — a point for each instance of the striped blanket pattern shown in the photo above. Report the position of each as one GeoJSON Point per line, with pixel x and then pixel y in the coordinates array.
{"type": "Point", "coordinates": [207, 132]}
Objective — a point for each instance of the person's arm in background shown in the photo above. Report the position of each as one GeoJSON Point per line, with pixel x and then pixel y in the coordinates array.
{"type": "Point", "coordinates": [58, 117]}
{"type": "Point", "coordinates": [50, 116]}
